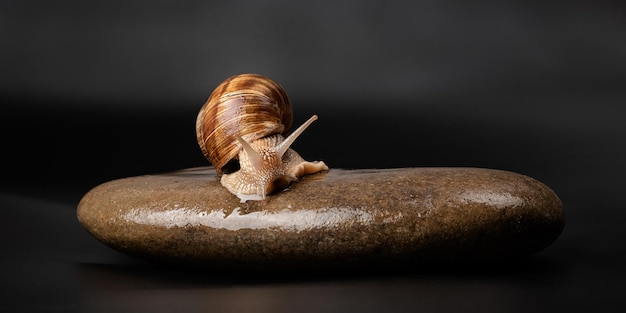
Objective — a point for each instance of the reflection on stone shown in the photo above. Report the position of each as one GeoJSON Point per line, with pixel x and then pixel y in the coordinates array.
{"type": "Point", "coordinates": [285, 219]}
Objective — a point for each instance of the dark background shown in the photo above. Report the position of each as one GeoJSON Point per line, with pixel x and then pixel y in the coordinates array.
{"type": "Point", "coordinates": [99, 90]}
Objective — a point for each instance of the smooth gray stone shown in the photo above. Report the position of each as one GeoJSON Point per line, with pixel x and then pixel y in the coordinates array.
{"type": "Point", "coordinates": [342, 217]}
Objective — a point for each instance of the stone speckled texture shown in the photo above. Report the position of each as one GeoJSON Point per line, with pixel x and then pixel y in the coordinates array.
{"type": "Point", "coordinates": [335, 218]}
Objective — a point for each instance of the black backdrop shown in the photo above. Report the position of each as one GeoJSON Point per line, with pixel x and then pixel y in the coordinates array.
{"type": "Point", "coordinates": [107, 89]}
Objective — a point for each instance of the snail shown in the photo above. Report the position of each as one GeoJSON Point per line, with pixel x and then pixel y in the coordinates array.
{"type": "Point", "coordinates": [241, 130]}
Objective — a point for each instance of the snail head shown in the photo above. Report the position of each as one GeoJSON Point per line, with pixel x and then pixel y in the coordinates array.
{"type": "Point", "coordinates": [268, 165]}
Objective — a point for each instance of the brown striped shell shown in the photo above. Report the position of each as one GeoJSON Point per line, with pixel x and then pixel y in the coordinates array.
{"type": "Point", "coordinates": [249, 106]}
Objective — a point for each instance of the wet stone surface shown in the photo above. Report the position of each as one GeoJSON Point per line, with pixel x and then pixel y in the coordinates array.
{"type": "Point", "coordinates": [338, 218]}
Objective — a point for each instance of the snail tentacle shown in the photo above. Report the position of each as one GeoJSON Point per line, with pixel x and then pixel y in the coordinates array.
{"type": "Point", "coordinates": [255, 158]}
{"type": "Point", "coordinates": [283, 146]}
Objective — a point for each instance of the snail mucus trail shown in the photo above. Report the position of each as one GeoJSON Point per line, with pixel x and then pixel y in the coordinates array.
{"type": "Point", "coordinates": [242, 130]}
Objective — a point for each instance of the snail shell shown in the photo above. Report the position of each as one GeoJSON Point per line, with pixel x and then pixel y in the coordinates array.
{"type": "Point", "coordinates": [241, 130]}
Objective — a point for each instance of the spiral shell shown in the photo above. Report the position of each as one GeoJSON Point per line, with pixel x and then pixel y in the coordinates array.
{"type": "Point", "coordinates": [249, 106]}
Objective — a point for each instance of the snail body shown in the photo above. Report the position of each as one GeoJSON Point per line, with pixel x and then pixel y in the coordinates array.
{"type": "Point", "coordinates": [242, 130]}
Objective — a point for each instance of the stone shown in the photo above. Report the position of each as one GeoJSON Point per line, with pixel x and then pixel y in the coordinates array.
{"type": "Point", "coordinates": [337, 218]}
